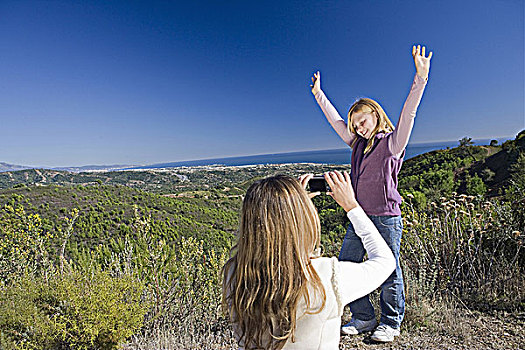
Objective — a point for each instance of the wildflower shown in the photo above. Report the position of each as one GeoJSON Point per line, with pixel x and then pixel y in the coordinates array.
{"type": "Point", "coordinates": [410, 195]}
{"type": "Point", "coordinates": [463, 196]}
{"type": "Point", "coordinates": [471, 198]}
{"type": "Point", "coordinates": [463, 212]}
{"type": "Point", "coordinates": [444, 204]}
{"type": "Point", "coordinates": [433, 204]}
{"type": "Point", "coordinates": [516, 233]}
{"type": "Point", "coordinates": [470, 205]}
{"type": "Point", "coordinates": [442, 199]}
{"type": "Point", "coordinates": [454, 194]}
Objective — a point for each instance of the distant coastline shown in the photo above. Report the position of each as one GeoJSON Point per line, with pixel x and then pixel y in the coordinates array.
{"type": "Point", "coordinates": [331, 156]}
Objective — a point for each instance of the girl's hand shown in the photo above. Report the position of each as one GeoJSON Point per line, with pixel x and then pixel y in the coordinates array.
{"type": "Point", "coordinates": [422, 62]}
{"type": "Point", "coordinates": [316, 83]}
{"type": "Point", "coordinates": [303, 179]}
{"type": "Point", "coordinates": [342, 190]}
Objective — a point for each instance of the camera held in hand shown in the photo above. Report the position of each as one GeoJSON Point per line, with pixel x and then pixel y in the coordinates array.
{"type": "Point", "coordinates": [318, 184]}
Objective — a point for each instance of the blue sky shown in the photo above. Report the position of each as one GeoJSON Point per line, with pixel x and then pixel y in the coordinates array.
{"type": "Point", "coordinates": [142, 82]}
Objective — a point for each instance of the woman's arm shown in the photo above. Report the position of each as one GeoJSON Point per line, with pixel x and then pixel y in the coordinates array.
{"type": "Point", "coordinates": [354, 280]}
{"type": "Point", "coordinates": [359, 279]}
{"type": "Point", "coordinates": [399, 139]}
{"type": "Point", "coordinates": [330, 112]}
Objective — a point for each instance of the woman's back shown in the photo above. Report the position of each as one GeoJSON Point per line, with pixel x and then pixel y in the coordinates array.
{"type": "Point", "coordinates": [313, 319]}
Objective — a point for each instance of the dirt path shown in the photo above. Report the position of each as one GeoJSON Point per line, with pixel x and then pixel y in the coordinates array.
{"type": "Point", "coordinates": [44, 179]}
{"type": "Point", "coordinates": [459, 331]}
{"type": "Point", "coordinates": [476, 331]}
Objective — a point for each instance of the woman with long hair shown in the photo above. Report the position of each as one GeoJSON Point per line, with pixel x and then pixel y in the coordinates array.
{"type": "Point", "coordinates": [277, 290]}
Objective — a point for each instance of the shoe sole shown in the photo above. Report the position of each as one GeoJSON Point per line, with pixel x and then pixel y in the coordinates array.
{"type": "Point", "coordinates": [382, 340]}
{"type": "Point", "coordinates": [356, 332]}
{"type": "Point", "coordinates": [348, 333]}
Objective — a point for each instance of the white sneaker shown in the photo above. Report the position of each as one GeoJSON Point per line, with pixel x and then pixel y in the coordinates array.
{"type": "Point", "coordinates": [356, 326]}
{"type": "Point", "coordinates": [385, 333]}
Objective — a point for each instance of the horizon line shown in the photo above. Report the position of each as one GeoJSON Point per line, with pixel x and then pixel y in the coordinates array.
{"type": "Point", "coordinates": [129, 166]}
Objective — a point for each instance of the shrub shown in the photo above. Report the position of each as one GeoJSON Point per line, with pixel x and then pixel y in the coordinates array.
{"type": "Point", "coordinates": [23, 244]}
{"type": "Point", "coordinates": [182, 285]}
{"type": "Point", "coordinates": [51, 303]}
{"type": "Point", "coordinates": [75, 310]}
{"type": "Point", "coordinates": [475, 185]}
{"type": "Point", "coordinates": [465, 248]}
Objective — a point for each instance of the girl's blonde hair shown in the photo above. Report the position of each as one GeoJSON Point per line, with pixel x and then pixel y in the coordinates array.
{"type": "Point", "coordinates": [368, 105]}
{"type": "Point", "coordinates": [271, 272]}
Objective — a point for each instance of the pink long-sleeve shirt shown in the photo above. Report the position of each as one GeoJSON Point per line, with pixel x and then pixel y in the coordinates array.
{"type": "Point", "coordinates": [399, 139]}
{"type": "Point", "coordinates": [374, 175]}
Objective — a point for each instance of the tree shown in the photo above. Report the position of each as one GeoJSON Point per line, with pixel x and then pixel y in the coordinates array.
{"type": "Point", "coordinates": [465, 142]}
{"type": "Point", "coordinates": [493, 143]}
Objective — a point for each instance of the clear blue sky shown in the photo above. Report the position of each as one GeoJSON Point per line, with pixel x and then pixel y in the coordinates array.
{"type": "Point", "coordinates": [105, 82]}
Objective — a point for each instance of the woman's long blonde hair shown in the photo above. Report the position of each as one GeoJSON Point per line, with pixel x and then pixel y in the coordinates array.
{"type": "Point", "coordinates": [368, 105]}
{"type": "Point", "coordinates": [270, 271]}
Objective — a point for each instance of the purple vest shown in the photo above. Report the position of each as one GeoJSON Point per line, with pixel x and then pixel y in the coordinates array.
{"type": "Point", "coordinates": [374, 176]}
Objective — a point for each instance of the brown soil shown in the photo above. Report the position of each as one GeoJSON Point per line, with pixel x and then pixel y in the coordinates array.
{"type": "Point", "coordinates": [460, 330]}
{"type": "Point", "coordinates": [466, 331]}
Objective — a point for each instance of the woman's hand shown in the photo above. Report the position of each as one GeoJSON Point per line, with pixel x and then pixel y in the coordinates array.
{"type": "Point", "coordinates": [342, 190]}
{"type": "Point", "coordinates": [303, 179]}
{"type": "Point", "coordinates": [316, 83]}
{"type": "Point", "coordinates": [422, 63]}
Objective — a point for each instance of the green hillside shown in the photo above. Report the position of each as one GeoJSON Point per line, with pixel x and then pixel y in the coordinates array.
{"type": "Point", "coordinates": [97, 260]}
{"type": "Point", "coordinates": [106, 213]}
{"type": "Point", "coordinates": [471, 170]}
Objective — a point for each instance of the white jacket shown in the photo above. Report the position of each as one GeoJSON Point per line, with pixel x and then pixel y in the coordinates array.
{"type": "Point", "coordinates": [344, 282]}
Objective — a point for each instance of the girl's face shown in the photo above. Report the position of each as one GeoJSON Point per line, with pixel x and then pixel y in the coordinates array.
{"type": "Point", "coordinates": [364, 123]}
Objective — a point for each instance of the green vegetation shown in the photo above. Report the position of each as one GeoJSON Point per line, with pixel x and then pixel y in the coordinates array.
{"type": "Point", "coordinates": [473, 170]}
{"type": "Point", "coordinates": [97, 260]}
{"type": "Point", "coordinates": [465, 248]}
{"type": "Point", "coordinates": [140, 284]}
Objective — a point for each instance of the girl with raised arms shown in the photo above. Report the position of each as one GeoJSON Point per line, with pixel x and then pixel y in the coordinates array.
{"type": "Point", "coordinates": [377, 154]}
{"type": "Point", "coordinates": [277, 291]}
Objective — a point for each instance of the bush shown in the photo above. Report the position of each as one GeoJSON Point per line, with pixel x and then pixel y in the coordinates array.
{"type": "Point", "coordinates": [76, 310]}
{"type": "Point", "coordinates": [23, 244]}
{"type": "Point", "coordinates": [465, 248]}
{"type": "Point", "coordinates": [515, 193]}
{"type": "Point", "coordinates": [475, 185]}
{"type": "Point", "coordinates": [46, 302]}
{"type": "Point", "coordinates": [416, 198]}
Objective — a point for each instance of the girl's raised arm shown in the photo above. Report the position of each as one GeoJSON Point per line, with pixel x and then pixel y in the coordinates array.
{"type": "Point", "coordinates": [399, 140]}
{"type": "Point", "coordinates": [329, 111]}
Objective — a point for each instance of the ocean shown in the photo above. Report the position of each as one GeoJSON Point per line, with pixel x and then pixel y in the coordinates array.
{"type": "Point", "coordinates": [331, 156]}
